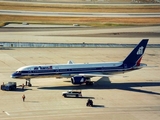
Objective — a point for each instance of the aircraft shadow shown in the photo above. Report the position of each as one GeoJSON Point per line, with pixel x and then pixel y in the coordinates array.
{"type": "Point", "coordinates": [106, 84]}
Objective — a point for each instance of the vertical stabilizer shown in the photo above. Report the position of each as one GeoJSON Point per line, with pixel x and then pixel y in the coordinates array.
{"type": "Point", "coordinates": [134, 58]}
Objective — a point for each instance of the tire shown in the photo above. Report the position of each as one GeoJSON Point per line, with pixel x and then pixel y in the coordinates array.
{"type": "Point", "coordinates": [89, 83]}
{"type": "Point", "coordinates": [30, 85]}
{"type": "Point", "coordinates": [77, 96]}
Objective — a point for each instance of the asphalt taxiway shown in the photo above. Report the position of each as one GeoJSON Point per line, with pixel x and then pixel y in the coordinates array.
{"type": "Point", "coordinates": [135, 97]}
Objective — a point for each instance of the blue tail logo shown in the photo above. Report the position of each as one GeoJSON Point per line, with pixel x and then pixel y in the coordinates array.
{"type": "Point", "coordinates": [134, 58]}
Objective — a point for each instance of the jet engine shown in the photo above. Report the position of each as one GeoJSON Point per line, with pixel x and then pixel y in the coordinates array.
{"type": "Point", "coordinates": [78, 79]}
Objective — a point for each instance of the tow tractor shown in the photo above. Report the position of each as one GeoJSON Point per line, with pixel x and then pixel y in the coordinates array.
{"type": "Point", "coordinates": [72, 93]}
{"type": "Point", "coordinates": [9, 86]}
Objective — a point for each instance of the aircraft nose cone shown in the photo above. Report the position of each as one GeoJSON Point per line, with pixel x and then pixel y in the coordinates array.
{"type": "Point", "coordinates": [13, 75]}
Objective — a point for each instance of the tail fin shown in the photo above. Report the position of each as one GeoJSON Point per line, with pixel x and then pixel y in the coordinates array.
{"type": "Point", "coordinates": [134, 58]}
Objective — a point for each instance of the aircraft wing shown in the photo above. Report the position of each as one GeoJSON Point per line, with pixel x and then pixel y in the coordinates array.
{"type": "Point", "coordinates": [94, 75]}
{"type": "Point", "coordinates": [100, 75]}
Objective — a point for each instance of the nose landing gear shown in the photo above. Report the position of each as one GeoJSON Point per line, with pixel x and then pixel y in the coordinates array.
{"type": "Point", "coordinates": [28, 82]}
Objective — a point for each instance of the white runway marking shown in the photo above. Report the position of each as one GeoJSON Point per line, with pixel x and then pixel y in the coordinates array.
{"type": "Point", "coordinates": [6, 113]}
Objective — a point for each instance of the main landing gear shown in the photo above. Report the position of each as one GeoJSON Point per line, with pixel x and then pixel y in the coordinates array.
{"type": "Point", "coordinates": [89, 83]}
{"type": "Point", "coordinates": [28, 82]}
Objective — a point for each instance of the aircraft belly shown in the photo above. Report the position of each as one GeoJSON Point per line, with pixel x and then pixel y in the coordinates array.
{"type": "Point", "coordinates": [112, 73]}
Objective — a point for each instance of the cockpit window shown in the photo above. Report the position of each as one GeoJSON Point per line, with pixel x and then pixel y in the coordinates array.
{"type": "Point", "coordinates": [18, 71]}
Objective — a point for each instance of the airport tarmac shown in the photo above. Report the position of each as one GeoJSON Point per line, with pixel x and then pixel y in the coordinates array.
{"type": "Point", "coordinates": [135, 97]}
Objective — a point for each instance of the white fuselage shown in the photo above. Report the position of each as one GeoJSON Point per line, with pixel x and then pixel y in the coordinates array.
{"type": "Point", "coordinates": [68, 70]}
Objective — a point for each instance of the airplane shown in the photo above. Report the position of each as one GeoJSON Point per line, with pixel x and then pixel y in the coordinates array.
{"type": "Point", "coordinates": [83, 72]}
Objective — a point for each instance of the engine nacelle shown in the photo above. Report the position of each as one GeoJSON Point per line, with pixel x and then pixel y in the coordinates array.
{"type": "Point", "coordinates": [78, 79]}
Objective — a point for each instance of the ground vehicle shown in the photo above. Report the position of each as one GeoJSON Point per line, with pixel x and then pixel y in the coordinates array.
{"type": "Point", "coordinates": [72, 93]}
{"type": "Point", "coordinates": [9, 86]}
{"type": "Point", "coordinates": [89, 103]}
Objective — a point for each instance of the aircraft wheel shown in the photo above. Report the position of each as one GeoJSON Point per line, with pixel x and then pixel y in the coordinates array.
{"type": "Point", "coordinates": [89, 83]}
{"type": "Point", "coordinates": [29, 84]}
